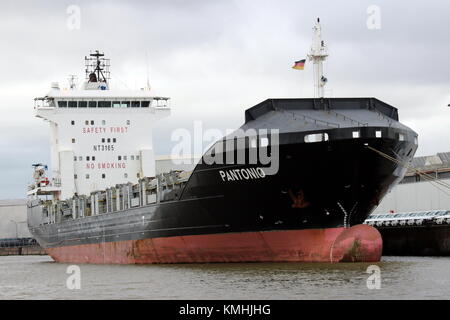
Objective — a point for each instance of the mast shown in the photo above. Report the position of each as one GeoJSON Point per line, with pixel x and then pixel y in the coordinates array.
{"type": "Point", "coordinates": [97, 67]}
{"type": "Point", "coordinates": [317, 55]}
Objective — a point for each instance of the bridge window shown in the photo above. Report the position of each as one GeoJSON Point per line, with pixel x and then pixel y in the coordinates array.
{"type": "Point", "coordinates": [145, 104]}
{"type": "Point", "coordinates": [92, 104]}
{"type": "Point", "coordinates": [82, 104]}
{"type": "Point", "coordinates": [73, 104]}
{"type": "Point", "coordinates": [116, 104]}
{"type": "Point", "coordinates": [125, 104]}
{"type": "Point", "coordinates": [104, 104]}
{"type": "Point", "coordinates": [135, 104]}
{"type": "Point", "coordinates": [62, 104]}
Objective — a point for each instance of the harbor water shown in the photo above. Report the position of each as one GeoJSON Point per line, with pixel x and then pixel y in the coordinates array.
{"type": "Point", "coordinates": [38, 277]}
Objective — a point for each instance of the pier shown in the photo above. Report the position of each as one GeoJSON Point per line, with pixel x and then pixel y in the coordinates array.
{"type": "Point", "coordinates": [20, 247]}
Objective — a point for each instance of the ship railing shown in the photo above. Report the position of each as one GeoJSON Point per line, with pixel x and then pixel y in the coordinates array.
{"type": "Point", "coordinates": [312, 120]}
{"type": "Point", "coordinates": [382, 116]}
{"type": "Point", "coordinates": [329, 123]}
{"type": "Point", "coordinates": [347, 118]}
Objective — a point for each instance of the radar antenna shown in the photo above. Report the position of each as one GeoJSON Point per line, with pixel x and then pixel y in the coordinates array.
{"type": "Point", "coordinates": [97, 67]}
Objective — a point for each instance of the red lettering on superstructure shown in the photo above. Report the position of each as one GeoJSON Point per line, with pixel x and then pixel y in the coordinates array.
{"type": "Point", "coordinates": [107, 165]}
{"type": "Point", "coordinates": [118, 129]}
{"type": "Point", "coordinates": [99, 130]}
{"type": "Point", "coordinates": [93, 130]}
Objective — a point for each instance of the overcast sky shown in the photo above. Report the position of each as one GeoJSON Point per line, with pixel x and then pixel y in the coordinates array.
{"type": "Point", "coordinates": [217, 58]}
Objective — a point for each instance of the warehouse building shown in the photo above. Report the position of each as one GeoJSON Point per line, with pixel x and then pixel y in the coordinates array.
{"type": "Point", "coordinates": [424, 188]}
{"type": "Point", "coordinates": [13, 219]}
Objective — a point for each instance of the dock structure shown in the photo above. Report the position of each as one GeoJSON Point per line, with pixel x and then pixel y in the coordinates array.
{"type": "Point", "coordinates": [15, 238]}
{"type": "Point", "coordinates": [420, 233]}
{"type": "Point", "coordinates": [414, 218]}
{"type": "Point", "coordinates": [20, 247]}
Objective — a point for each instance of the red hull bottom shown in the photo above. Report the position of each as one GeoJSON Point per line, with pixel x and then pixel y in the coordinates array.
{"type": "Point", "coordinates": [360, 243]}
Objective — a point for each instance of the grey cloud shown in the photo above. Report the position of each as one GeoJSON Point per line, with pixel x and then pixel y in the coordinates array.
{"type": "Point", "coordinates": [217, 58]}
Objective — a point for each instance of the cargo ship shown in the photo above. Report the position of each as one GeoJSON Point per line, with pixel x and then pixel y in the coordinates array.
{"type": "Point", "coordinates": [293, 184]}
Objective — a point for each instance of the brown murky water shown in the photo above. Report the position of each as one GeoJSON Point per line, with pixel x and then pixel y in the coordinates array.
{"type": "Point", "coordinates": [38, 277]}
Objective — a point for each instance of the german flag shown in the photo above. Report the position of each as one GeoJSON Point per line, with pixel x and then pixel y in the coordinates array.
{"type": "Point", "coordinates": [299, 65]}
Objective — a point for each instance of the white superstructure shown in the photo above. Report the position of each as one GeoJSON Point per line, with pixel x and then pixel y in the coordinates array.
{"type": "Point", "coordinates": [99, 137]}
